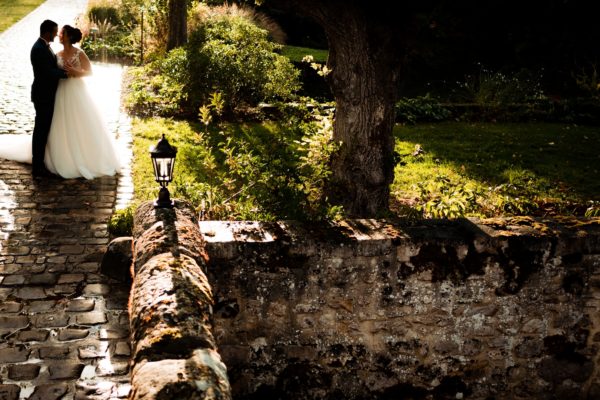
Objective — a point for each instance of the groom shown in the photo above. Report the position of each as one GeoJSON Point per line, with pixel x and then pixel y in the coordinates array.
{"type": "Point", "coordinates": [46, 76]}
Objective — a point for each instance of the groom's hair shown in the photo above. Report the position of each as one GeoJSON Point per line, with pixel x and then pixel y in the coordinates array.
{"type": "Point", "coordinates": [47, 27]}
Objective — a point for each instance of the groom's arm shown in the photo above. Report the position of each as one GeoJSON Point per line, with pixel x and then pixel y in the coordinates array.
{"type": "Point", "coordinates": [45, 65]}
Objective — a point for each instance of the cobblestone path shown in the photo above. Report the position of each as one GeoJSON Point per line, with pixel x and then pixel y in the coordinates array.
{"type": "Point", "coordinates": [63, 326]}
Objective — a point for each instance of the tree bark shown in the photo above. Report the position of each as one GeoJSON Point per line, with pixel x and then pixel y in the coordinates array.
{"type": "Point", "coordinates": [367, 44]}
{"type": "Point", "coordinates": [177, 24]}
{"type": "Point", "coordinates": [363, 81]}
{"type": "Point", "coordinates": [366, 47]}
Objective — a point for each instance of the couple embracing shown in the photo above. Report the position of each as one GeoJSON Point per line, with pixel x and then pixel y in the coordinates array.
{"type": "Point", "coordinates": [70, 137]}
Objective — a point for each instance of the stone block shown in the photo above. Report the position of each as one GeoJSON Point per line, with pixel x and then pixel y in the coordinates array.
{"type": "Point", "coordinates": [57, 320]}
{"type": "Point", "coordinates": [34, 335]}
{"type": "Point", "coordinates": [14, 354]}
{"type": "Point", "coordinates": [9, 392]}
{"type": "Point", "coordinates": [23, 372]}
{"type": "Point", "coordinates": [13, 322]}
{"type": "Point", "coordinates": [91, 318]}
{"type": "Point", "coordinates": [43, 279]}
{"type": "Point", "coordinates": [54, 352]}
{"type": "Point", "coordinates": [72, 334]}
{"type": "Point", "coordinates": [65, 370]}
{"type": "Point", "coordinates": [80, 305]}
{"type": "Point", "coordinates": [118, 259]}
{"type": "Point", "coordinates": [49, 392]}
{"type": "Point", "coordinates": [10, 307]}
{"type": "Point", "coordinates": [201, 376]}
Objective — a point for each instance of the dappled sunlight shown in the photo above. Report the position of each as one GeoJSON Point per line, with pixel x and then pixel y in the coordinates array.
{"type": "Point", "coordinates": [514, 168]}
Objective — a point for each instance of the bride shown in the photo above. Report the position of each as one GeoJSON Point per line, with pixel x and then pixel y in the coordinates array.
{"type": "Point", "coordinates": [79, 143]}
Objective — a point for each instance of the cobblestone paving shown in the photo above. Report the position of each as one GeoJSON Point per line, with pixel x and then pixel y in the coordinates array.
{"type": "Point", "coordinates": [63, 326]}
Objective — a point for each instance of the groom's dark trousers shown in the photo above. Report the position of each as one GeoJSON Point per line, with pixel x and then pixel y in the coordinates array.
{"type": "Point", "coordinates": [46, 75]}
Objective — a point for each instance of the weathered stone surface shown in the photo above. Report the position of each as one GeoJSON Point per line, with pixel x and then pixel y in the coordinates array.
{"type": "Point", "coordinates": [122, 349]}
{"type": "Point", "coordinates": [72, 334]}
{"type": "Point", "coordinates": [14, 354]}
{"type": "Point", "coordinates": [9, 392]}
{"type": "Point", "coordinates": [11, 322]}
{"type": "Point", "coordinates": [50, 320]}
{"type": "Point", "coordinates": [35, 335]}
{"type": "Point", "coordinates": [175, 300]}
{"type": "Point", "coordinates": [65, 370]}
{"type": "Point", "coordinates": [43, 279]}
{"type": "Point", "coordinates": [54, 352]}
{"type": "Point", "coordinates": [557, 370]}
{"type": "Point", "coordinates": [22, 372]}
{"type": "Point", "coordinates": [118, 259]}
{"type": "Point", "coordinates": [49, 392]}
{"type": "Point", "coordinates": [434, 309]}
{"type": "Point", "coordinates": [173, 231]}
{"type": "Point", "coordinates": [96, 289]}
{"type": "Point", "coordinates": [10, 307]}
{"type": "Point", "coordinates": [171, 311]}
{"type": "Point", "coordinates": [94, 390]}
{"type": "Point", "coordinates": [79, 305]}
{"type": "Point", "coordinates": [91, 318]}
{"type": "Point", "coordinates": [30, 293]}
{"type": "Point", "coordinates": [202, 376]}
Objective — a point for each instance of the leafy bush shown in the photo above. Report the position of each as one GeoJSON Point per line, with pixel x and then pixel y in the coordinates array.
{"type": "Point", "coordinates": [497, 88]}
{"type": "Point", "coordinates": [231, 55]}
{"type": "Point", "coordinates": [109, 31]}
{"type": "Point", "coordinates": [227, 54]}
{"type": "Point", "coordinates": [441, 198]}
{"type": "Point", "coordinates": [421, 109]}
{"type": "Point", "coordinates": [163, 92]}
{"type": "Point", "coordinates": [105, 13]}
{"type": "Point", "coordinates": [121, 222]}
{"type": "Point", "coordinates": [593, 210]}
{"type": "Point", "coordinates": [264, 171]}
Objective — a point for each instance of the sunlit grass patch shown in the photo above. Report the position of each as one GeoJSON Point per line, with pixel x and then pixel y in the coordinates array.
{"type": "Point", "coordinates": [296, 54]}
{"type": "Point", "coordinates": [14, 10]}
{"type": "Point", "coordinates": [525, 169]}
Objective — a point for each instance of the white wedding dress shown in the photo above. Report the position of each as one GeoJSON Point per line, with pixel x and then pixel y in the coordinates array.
{"type": "Point", "coordinates": [79, 143]}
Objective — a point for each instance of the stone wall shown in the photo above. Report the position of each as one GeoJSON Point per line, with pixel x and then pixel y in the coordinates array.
{"type": "Point", "coordinates": [174, 354]}
{"type": "Point", "coordinates": [503, 309]}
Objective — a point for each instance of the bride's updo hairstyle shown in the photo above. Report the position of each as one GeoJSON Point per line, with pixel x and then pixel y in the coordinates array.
{"type": "Point", "coordinates": [73, 34]}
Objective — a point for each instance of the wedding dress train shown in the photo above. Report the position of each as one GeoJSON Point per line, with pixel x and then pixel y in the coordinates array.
{"type": "Point", "coordinates": [79, 143]}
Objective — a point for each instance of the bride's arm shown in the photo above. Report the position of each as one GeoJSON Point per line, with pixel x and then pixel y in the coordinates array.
{"type": "Point", "coordinates": [86, 66]}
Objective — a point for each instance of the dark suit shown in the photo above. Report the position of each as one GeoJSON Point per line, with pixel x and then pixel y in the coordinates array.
{"type": "Point", "coordinates": [46, 75]}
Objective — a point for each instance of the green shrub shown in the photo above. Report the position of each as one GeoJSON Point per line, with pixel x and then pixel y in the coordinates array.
{"type": "Point", "coordinates": [440, 197]}
{"type": "Point", "coordinates": [494, 88]}
{"type": "Point", "coordinates": [233, 56]}
{"type": "Point", "coordinates": [227, 54]}
{"type": "Point", "coordinates": [421, 109]}
{"type": "Point", "coordinates": [117, 46]}
{"type": "Point", "coordinates": [163, 92]}
{"type": "Point", "coordinates": [265, 171]}
{"type": "Point", "coordinates": [104, 13]}
{"type": "Point", "coordinates": [121, 222]}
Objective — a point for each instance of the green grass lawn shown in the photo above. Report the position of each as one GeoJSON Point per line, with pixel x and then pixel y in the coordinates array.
{"type": "Point", "coordinates": [543, 168]}
{"type": "Point", "coordinates": [487, 169]}
{"type": "Point", "coordinates": [296, 54]}
{"type": "Point", "coordinates": [14, 10]}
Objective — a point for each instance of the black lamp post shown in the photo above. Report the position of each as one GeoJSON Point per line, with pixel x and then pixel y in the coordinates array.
{"type": "Point", "coordinates": [163, 161]}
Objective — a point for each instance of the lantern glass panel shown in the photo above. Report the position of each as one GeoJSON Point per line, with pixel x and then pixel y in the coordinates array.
{"type": "Point", "coordinates": [163, 170]}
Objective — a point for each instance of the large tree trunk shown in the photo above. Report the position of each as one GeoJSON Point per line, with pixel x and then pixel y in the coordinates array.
{"type": "Point", "coordinates": [177, 24]}
{"type": "Point", "coordinates": [366, 47]}
{"type": "Point", "coordinates": [365, 68]}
